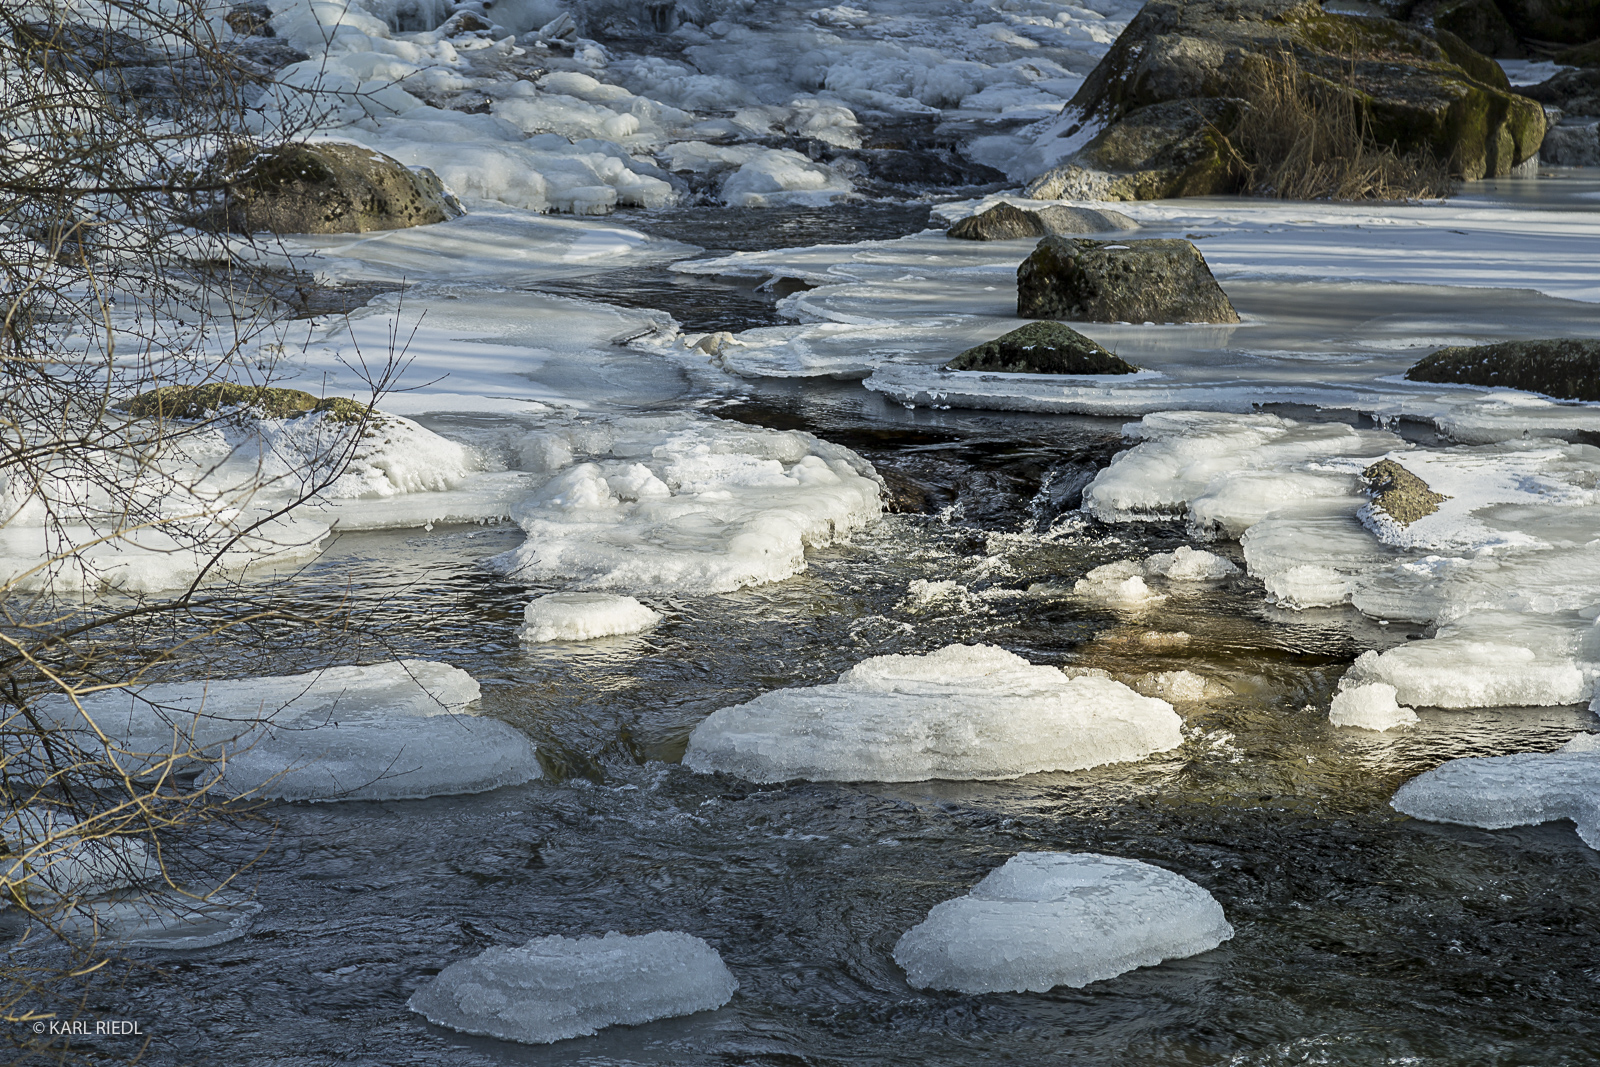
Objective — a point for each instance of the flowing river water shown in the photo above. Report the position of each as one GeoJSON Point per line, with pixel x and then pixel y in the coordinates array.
{"type": "Point", "coordinates": [1362, 937]}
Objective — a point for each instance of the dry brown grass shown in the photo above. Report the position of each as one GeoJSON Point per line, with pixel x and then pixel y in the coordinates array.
{"type": "Point", "coordinates": [1305, 138]}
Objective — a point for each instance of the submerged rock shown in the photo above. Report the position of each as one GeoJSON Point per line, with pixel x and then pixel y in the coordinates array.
{"type": "Point", "coordinates": [1497, 792]}
{"type": "Point", "coordinates": [1568, 368]}
{"type": "Point", "coordinates": [1007, 222]}
{"type": "Point", "coordinates": [1042, 348]}
{"type": "Point", "coordinates": [553, 988]}
{"type": "Point", "coordinates": [325, 188]}
{"type": "Point", "coordinates": [1154, 117]}
{"type": "Point", "coordinates": [1400, 495]}
{"type": "Point", "coordinates": [1134, 281]}
{"type": "Point", "coordinates": [1048, 919]}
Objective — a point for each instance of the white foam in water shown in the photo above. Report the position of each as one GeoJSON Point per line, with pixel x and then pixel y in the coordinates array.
{"type": "Point", "coordinates": [394, 730]}
{"type": "Point", "coordinates": [963, 712]}
{"type": "Point", "coordinates": [1496, 792]}
{"type": "Point", "coordinates": [582, 616]}
{"type": "Point", "coordinates": [1371, 707]}
{"type": "Point", "coordinates": [684, 505]}
{"type": "Point", "coordinates": [554, 988]}
{"type": "Point", "coordinates": [1047, 919]}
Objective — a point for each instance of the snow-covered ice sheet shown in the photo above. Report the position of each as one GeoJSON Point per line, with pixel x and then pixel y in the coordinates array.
{"type": "Point", "coordinates": [554, 988]}
{"type": "Point", "coordinates": [1047, 919]}
{"type": "Point", "coordinates": [583, 616]}
{"type": "Point", "coordinates": [963, 712]}
{"type": "Point", "coordinates": [1497, 792]}
{"type": "Point", "coordinates": [679, 504]}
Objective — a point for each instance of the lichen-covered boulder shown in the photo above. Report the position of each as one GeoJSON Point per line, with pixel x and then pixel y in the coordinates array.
{"type": "Point", "coordinates": [1153, 118]}
{"type": "Point", "coordinates": [1568, 368]}
{"type": "Point", "coordinates": [324, 188]}
{"type": "Point", "coordinates": [1007, 222]}
{"type": "Point", "coordinates": [1399, 494]}
{"type": "Point", "coordinates": [1042, 348]}
{"type": "Point", "coordinates": [215, 398]}
{"type": "Point", "coordinates": [1130, 281]}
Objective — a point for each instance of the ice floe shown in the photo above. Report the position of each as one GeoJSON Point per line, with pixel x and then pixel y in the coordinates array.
{"type": "Point", "coordinates": [677, 504]}
{"type": "Point", "coordinates": [47, 855]}
{"type": "Point", "coordinates": [582, 616]}
{"type": "Point", "coordinates": [388, 731]}
{"type": "Point", "coordinates": [963, 712]}
{"type": "Point", "coordinates": [1047, 919]}
{"type": "Point", "coordinates": [1497, 792]}
{"type": "Point", "coordinates": [1122, 584]}
{"type": "Point", "coordinates": [553, 988]}
{"type": "Point", "coordinates": [1371, 707]}
{"type": "Point", "coordinates": [163, 919]}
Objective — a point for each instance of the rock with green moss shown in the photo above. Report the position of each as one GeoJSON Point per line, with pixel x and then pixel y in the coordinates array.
{"type": "Point", "coordinates": [324, 188]}
{"type": "Point", "coordinates": [1568, 369]}
{"type": "Point", "coordinates": [1007, 222]}
{"type": "Point", "coordinates": [1399, 494]}
{"type": "Point", "coordinates": [1153, 118]}
{"type": "Point", "coordinates": [1159, 280]}
{"type": "Point", "coordinates": [1042, 348]}
{"type": "Point", "coordinates": [194, 402]}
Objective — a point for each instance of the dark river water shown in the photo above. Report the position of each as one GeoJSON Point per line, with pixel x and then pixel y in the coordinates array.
{"type": "Point", "coordinates": [1362, 937]}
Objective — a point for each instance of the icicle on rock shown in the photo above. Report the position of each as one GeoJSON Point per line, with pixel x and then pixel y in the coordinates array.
{"type": "Point", "coordinates": [1048, 919]}
{"type": "Point", "coordinates": [554, 988]}
{"type": "Point", "coordinates": [963, 712]}
{"type": "Point", "coordinates": [1496, 792]}
{"type": "Point", "coordinates": [584, 616]}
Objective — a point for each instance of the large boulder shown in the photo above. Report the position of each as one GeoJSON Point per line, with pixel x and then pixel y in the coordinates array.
{"type": "Point", "coordinates": [1154, 117]}
{"type": "Point", "coordinates": [1482, 25]}
{"type": "Point", "coordinates": [1007, 222]}
{"type": "Point", "coordinates": [1575, 92]}
{"type": "Point", "coordinates": [325, 188]}
{"type": "Point", "coordinates": [1132, 281]}
{"type": "Point", "coordinates": [1568, 369]}
{"type": "Point", "coordinates": [1042, 348]}
{"type": "Point", "coordinates": [1567, 22]}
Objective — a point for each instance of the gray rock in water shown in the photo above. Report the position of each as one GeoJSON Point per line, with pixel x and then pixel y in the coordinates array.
{"type": "Point", "coordinates": [1042, 348]}
{"type": "Point", "coordinates": [1131, 281]}
{"type": "Point", "coordinates": [1568, 369]}
{"type": "Point", "coordinates": [1007, 222]}
{"type": "Point", "coordinates": [1575, 92]}
{"type": "Point", "coordinates": [1571, 144]}
{"type": "Point", "coordinates": [326, 188]}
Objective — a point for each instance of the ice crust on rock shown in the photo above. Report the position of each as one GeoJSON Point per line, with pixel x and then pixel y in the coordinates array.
{"type": "Point", "coordinates": [1047, 919]}
{"type": "Point", "coordinates": [972, 712]}
{"type": "Point", "coordinates": [683, 505]}
{"type": "Point", "coordinates": [553, 988]}
{"type": "Point", "coordinates": [582, 616]}
{"type": "Point", "coordinates": [1371, 707]}
{"type": "Point", "coordinates": [390, 731]}
{"type": "Point", "coordinates": [1496, 792]}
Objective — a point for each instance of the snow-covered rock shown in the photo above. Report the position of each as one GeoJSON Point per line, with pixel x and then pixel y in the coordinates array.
{"type": "Point", "coordinates": [1496, 792]}
{"type": "Point", "coordinates": [1047, 919]}
{"type": "Point", "coordinates": [555, 987]}
{"type": "Point", "coordinates": [582, 616]}
{"type": "Point", "coordinates": [963, 712]}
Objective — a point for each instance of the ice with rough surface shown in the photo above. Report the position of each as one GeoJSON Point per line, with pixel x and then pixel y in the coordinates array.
{"type": "Point", "coordinates": [1496, 792]}
{"type": "Point", "coordinates": [1122, 584]}
{"type": "Point", "coordinates": [555, 987]}
{"type": "Point", "coordinates": [963, 712]}
{"type": "Point", "coordinates": [582, 616]}
{"type": "Point", "coordinates": [1371, 707]}
{"type": "Point", "coordinates": [1048, 919]}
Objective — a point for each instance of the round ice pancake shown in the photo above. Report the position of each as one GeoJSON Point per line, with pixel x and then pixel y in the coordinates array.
{"type": "Point", "coordinates": [558, 987]}
{"type": "Point", "coordinates": [583, 616]}
{"type": "Point", "coordinates": [963, 712]}
{"type": "Point", "coordinates": [1497, 792]}
{"type": "Point", "coordinates": [1047, 919]}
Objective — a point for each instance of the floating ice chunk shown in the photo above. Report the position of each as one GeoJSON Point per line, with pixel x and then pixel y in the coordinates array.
{"type": "Point", "coordinates": [581, 616]}
{"type": "Point", "coordinates": [1186, 564]}
{"type": "Point", "coordinates": [1048, 919]}
{"type": "Point", "coordinates": [164, 919]}
{"type": "Point", "coordinates": [1370, 707]}
{"type": "Point", "coordinates": [1466, 666]}
{"type": "Point", "coordinates": [1123, 583]}
{"type": "Point", "coordinates": [1496, 792]}
{"type": "Point", "coordinates": [963, 712]}
{"type": "Point", "coordinates": [1178, 685]}
{"type": "Point", "coordinates": [1582, 743]}
{"type": "Point", "coordinates": [45, 856]}
{"type": "Point", "coordinates": [685, 505]}
{"type": "Point", "coordinates": [554, 988]}
{"type": "Point", "coordinates": [1109, 585]}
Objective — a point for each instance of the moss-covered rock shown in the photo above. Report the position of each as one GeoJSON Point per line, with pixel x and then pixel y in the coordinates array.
{"type": "Point", "coordinates": [1007, 222]}
{"type": "Point", "coordinates": [1042, 348]}
{"type": "Point", "coordinates": [1568, 369]}
{"type": "Point", "coordinates": [324, 188]}
{"type": "Point", "coordinates": [1132, 281]}
{"type": "Point", "coordinates": [208, 401]}
{"type": "Point", "coordinates": [1163, 98]}
{"type": "Point", "coordinates": [1399, 494]}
